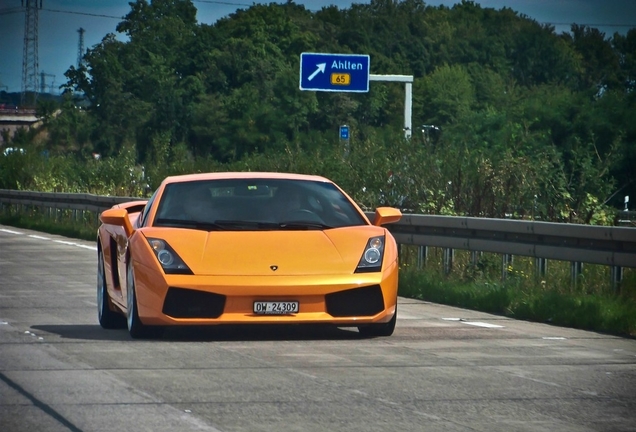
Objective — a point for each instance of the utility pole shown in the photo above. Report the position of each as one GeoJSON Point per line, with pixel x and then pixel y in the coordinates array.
{"type": "Point", "coordinates": [30, 55]}
{"type": "Point", "coordinates": [80, 47]}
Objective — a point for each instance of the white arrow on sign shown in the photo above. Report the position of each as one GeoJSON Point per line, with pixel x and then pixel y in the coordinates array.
{"type": "Point", "coordinates": [321, 68]}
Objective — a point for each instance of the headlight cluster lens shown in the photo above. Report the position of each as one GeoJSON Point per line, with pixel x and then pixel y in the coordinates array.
{"type": "Point", "coordinates": [165, 257]}
{"type": "Point", "coordinates": [168, 258]}
{"type": "Point", "coordinates": [372, 257]}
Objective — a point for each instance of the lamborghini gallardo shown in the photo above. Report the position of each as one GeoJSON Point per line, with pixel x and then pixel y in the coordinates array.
{"type": "Point", "coordinates": [246, 248]}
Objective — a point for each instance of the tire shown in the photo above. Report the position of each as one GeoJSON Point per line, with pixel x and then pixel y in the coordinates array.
{"type": "Point", "coordinates": [379, 330]}
{"type": "Point", "coordinates": [136, 328]}
{"type": "Point", "coordinates": [108, 319]}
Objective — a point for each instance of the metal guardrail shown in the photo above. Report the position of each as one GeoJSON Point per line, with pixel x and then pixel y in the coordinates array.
{"type": "Point", "coordinates": [610, 246]}
{"type": "Point", "coordinates": [64, 201]}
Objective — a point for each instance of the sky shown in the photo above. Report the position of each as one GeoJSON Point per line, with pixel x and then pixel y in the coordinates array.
{"type": "Point", "coordinates": [60, 20]}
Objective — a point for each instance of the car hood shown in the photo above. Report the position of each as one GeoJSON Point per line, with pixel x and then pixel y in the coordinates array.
{"type": "Point", "coordinates": [269, 253]}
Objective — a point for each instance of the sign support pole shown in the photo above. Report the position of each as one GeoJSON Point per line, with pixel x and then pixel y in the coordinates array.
{"type": "Point", "coordinates": [408, 97]}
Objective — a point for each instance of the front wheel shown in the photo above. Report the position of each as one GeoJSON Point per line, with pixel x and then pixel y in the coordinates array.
{"type": "Point", "coordinates": [379, 330]}
{"type": "Point", "coordinates": [136, 328]}
{"type": "Point", "coordinates": [108, 319]}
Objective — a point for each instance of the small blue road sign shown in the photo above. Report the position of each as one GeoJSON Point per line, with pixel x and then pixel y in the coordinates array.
{"type": "Point", "coordinates": [344, 132]}
{"type": "Point", "coordinates": [334, 72]}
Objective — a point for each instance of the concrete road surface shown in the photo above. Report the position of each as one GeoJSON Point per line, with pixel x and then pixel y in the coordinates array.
{"type": "Point", "coordinates": [444, 369]}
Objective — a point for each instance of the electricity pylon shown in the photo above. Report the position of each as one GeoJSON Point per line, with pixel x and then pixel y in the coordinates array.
{"type": "Point", "coordinates": [30, 56]}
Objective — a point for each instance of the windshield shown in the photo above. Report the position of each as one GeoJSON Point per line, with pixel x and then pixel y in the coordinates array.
{"type": "Point", "coordinates": [256, 204]}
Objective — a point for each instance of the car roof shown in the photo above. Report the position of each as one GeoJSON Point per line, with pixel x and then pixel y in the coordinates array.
{"type": "Point", "coordinates": [243, 175]}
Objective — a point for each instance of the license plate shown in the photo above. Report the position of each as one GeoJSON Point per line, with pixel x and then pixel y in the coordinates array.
{"type": "Point", "coordinates": [275, 308]}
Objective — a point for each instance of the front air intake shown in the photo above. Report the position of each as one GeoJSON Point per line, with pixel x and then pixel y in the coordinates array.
{"type": "Point", "coordinates": [365, 301]}
{"type": "Point", "coordinates": [187, 303]}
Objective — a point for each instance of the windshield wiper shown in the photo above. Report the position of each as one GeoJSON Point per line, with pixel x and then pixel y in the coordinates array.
{"type": "Point", "coordinates": [271, 226]}
{"type": "Point", "coordinates": [238, 225]}
{"type": "Point", "coordinates": [184, 223]}
{"type": "Point", "coordinates": [300, 225]}
{"type": "Point", "coordinates": [246, 225]}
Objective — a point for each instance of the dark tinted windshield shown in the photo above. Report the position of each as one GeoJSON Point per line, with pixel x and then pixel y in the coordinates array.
{"type": "Point", "coordinates": [255, 204]}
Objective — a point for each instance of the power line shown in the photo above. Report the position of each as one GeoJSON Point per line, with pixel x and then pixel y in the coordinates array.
{"type": "Point", "coordinates": [16, 10]}
{"type": "Point", "coordinates": [10, 10]}
{"type": "Point", "coordinates": [222, 2]}
{"type": "Point", "coordinates": [84, 13]}
{"type": "Point", "coordinates": [590, 25]}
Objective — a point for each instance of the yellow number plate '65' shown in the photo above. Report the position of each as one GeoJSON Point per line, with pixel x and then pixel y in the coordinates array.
{"type": "Point", "coordinates": [340, 78]}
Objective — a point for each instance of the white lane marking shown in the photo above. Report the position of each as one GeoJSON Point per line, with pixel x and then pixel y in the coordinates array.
{"type": "Point", "coordinates": [474, 323]}
{"type": "Point", "coordinates": [305, 374]}
{"type": "Point", "coordinates": [75, 244]}
{"type": "Point", "coordinates": [10, 231]}
{"type": "Point", "coordinates": [482, 324]}
{"type": "Point", "coordinates": [553, 338]}
{"type": "Point", "coordinates": [428, 416]}
{"type": "Point", "coordinates": [48, 238]}
{"type": "Point", "coordinates": [86, 247]}
{"type": "Point", "coordinates": [550, 383]}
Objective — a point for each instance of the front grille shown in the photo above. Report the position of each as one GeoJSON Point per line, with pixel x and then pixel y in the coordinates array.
{"type": "Point", "coordinates": [355, 302]}
{"type": "Point", "coordinates": [187, 303]}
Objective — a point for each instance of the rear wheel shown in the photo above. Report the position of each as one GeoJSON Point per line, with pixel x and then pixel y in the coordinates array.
{"type": "Point", "coordinates": [379, 330]}
{"type": "Point", "coordinates": [136, 328]}
{"type": "Point", "coordinates": [108, 319]}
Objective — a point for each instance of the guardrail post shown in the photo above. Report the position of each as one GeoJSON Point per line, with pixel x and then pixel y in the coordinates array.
{"type": "Point", "coordinates": [617, 277]}
{"type": "Point", "coordinates": [541, 267]}
{"type": "Point", "coordinates": [422, 256]}
{"type": "Point", "coordinates": [506, 261]}
{"type": "Point", "coordinates": [449, 255]}
{"type": "Point", "coordinates": [474, 258]}
{"type": "Point", "coordinates": [576, 270]}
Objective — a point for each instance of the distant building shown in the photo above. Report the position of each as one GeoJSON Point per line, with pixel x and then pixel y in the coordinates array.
{"type": "Point", "coordinates": [13, 118]}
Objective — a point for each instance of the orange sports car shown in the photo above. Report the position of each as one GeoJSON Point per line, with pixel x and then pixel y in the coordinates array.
{"type": "Point", "coordinates": [246, 248]}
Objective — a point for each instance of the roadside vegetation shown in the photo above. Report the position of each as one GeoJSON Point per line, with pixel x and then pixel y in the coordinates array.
{"type": "Point", "coordinates": [588, 303]}
{"type": "Point", "coordinates": [510, 120]}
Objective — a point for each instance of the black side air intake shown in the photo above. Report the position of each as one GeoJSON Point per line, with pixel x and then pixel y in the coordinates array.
{"type": "Point", "coordinates": [187, 303]}
{"type": "Point", "coordinates": [355, 302]}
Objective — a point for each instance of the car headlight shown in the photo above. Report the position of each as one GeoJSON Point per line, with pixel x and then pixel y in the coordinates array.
{"type": "Point", "coordinates": [170, 262]}
{"type": "Point", "coordinates": [371, 260]}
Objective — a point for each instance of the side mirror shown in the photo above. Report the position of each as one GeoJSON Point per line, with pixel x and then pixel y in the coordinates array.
{"type": "Point", "coordinates": [386, 215]}
{"type": "Point", "coordinates": [117, 217]}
